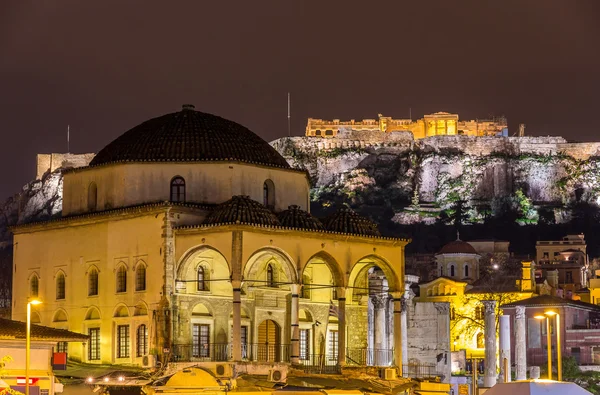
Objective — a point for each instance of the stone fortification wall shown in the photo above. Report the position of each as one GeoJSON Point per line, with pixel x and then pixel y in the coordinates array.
{"type": "Point", "coordinates": [52, 162]}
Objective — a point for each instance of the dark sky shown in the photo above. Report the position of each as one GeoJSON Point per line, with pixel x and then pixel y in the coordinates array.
{"type": "Point", "coordinates": [105, 66]}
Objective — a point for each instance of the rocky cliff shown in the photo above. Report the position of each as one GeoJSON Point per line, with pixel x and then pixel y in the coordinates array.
{"type": "Point", "coordinates": [396, 179]}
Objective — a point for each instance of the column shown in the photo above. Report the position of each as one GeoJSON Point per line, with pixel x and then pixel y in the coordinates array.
{"type": "Point", "coordinates": [237, 321]}
{"type": "Point", "coordinates": [400, 331]}
{"type": "Point", "coordinates": [489, 379]}
{"type": "Point", "coordinates": [505, 348]}
{"type": "Point", "coordinates": [341, 326]}
{"type": "Point", "coordinates": [444, 365]}
{"type": "Point", "coordinates": [236, 283]}
{"type": "Point", "coordinates": [520, 345]}
{"type": "Point", "coordinates": [295, 322]}
{"type": "Point", "coordinates": [380, 341]}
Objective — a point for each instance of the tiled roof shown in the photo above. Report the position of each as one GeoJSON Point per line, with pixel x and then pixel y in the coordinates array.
{"type": "Point", "coordinates": [458, 247]}
{"type": "Point", "coordinates": [189, 136]}
{"type": "Point", "coordinates": [241, 210]}
{"type": "Point", "coordinates": [345, 220]}
{"type": "Point", "coordinates": [10, 329]}
{"type": "Point", "coordinates": [552, 301]}
{"type": "Point", "coordinates": [295, 217]}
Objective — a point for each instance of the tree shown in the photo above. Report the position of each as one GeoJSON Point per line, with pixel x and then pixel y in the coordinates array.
{"type": "Point", "coordinates": [3, 361]}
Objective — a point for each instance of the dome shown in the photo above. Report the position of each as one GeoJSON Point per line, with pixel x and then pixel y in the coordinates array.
{"type": "Point", "coordinates": [189, 136]}
{"type": "Point", "coordinates": [295, 217]}
{"type": "Point", "coordinates": [241, 210]}
{"type": "Point", "coordinates": [458, 247]}
{"type": "Point", "coordinates": [345, 220]}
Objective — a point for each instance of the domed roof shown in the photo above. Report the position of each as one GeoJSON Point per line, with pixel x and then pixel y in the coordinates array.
{"type": "Point", "coordinates": [189, 136]}
{"type": "Point", "coordinates": [345, 220]}
{"type": "Point", "coordinates": [241, 209]}
{"type": "Point", "coordinates": [458, 247]}
{"type": "Point", "coordinates": [295, 217]}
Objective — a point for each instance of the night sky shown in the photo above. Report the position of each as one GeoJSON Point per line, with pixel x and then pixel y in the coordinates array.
{"type": "Point", "coordinates": [103, 67]}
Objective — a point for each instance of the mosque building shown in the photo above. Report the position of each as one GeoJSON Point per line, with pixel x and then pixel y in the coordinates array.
{"type": "Point", "coordinates": [189, 239]}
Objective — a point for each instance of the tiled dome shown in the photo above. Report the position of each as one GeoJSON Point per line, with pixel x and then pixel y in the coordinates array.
{"type": "Point", "coordinates": [190, 136]}
{"type": "Point", "coordinates": [345, 220]}
{"type": "Point", "coordinates": [242, 209]}
{"type": "Point", "coordinates": [295, 217]}
{"type": "Point", "coordinates": [458, 247]}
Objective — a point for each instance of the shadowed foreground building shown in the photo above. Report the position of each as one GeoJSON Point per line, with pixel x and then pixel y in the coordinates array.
{"type": "Point", "coordinates": [188, 238]}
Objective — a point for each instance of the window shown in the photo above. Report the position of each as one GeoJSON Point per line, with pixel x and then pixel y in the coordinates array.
{"type": "Point", "coordinates": [329, 133]}
{"type": "Point", "coordinates": [62, 347]}
{"type": "Point", "coordinates": [318, 133]}
{"type": "Point", "coordinates": [333, 345]}
{"type": "Point", "coordinates": [569, 277]}
{"type": "Point", "coordinates": [94, 344]}
{"type": "Point", "coordinates": [269, 194]}
{"type": "Point", "coordinates": [121, 279]}
{"type": "Point", "coordinates": [92, 196]}
{"type": "Point", "coordinates": [201, 341]}
{"type": "Point", "coordinates": [178, 189]}
{"type": "Point", "coordinates": [202, 279]}
{"type": "Point", "coordinates": [244, 336]}
{"type": "Point", "coordinates": [34, 286]}
{"type": "Point", "coordinates": [93, 282]}
{"type": "Point", "coordinates": [142, 341]}
{"type": "Point", "coordinates": [466, 270]}
{"type": "Point", "coordinates": [451, 270]}
{"type": "Point", "coordinates": [479, 312]}
{"type": "Point", "coordinates": [60, 286]}
{"type": "Point", "coordinates": [304, 344]}
{"type": "Point", "coordinates": [123, 341]}
{"type": "Point", "coordinates": [270, 276]}
{"type": "Point", "coordinates": [480, 340]}
{"type": "Point", "coordinates": [140, 278]}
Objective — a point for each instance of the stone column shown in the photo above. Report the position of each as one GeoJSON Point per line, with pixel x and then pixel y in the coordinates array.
{"type": "Point", "coordinates": [520, 344]}
{"type": "Point", "coordinates": [444, 364]}
{"type": "Point", "coordinates": [400, 330]}
{"type": "Point", "coordinates": [380, 341]}
{"type": "Point", "coordinates": [490, 375]}
{"type": "Point", "coordinates": [505, 348]}
{"type": "Point", "coordinates": [295, 322]}
{"type": "Point", "coordinates": [236, 283]}
{"type": "Point", "coordinates": [341, 326]}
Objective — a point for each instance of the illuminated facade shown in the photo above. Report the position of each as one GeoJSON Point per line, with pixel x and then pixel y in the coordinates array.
{"type": "Point", "coordinates": [436, 124]}
{"type": "Point", "coordinates": [189, 239]}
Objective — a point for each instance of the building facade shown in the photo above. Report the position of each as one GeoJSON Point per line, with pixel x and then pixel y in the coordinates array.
{"type": "Point", "coordinates": [436, 124]}
{"type": "Point", "coordinates": [189, 238]}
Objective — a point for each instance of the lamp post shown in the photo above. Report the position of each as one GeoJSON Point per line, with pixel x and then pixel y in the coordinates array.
{"type": "Point", "coordinates": [548, 314]}
{"type": "Point", "coordinates": [28, 342]}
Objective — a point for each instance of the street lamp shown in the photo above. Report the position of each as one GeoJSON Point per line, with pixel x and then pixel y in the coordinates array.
{"type": "Point", "coordinates": [28, 341]}
{"type": "Point", "coordinates": [548, 314]}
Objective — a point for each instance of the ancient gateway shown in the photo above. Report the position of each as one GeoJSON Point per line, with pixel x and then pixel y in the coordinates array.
{"type": "Point", "coordinates": [189, 238]}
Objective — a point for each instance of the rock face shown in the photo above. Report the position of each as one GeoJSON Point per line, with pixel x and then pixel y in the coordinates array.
{"type": "Point", "coordinates": [39, 200]}
{"type": "Point", "coordinates": [396, 178]}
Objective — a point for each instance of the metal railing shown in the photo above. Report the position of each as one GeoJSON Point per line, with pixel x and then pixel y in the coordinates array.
{"type": "Point", "coordinates": [200, 352]}
{"type": "Point", "coordinates": [269, 352]}
{"type": "Point", "coordinates": [320, 364]}
{"type": "Point", "coordinates": [418, 371]}
{"type": "Point", "coordinates": [369, 356]}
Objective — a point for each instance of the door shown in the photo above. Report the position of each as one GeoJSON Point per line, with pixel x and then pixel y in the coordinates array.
{"type": "Point", "coordinates": [268, 341]}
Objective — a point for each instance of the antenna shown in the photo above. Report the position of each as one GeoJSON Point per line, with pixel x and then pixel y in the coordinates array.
{"type": "Point", "coordinates": [289, 115]}
{"type": "Point", "coordinates": [68, 138]}
{"type": "Point", "coordinates": [410, 113]}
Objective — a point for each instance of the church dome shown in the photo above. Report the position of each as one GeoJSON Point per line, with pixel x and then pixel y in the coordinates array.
{"type": "Point", "coordinates": [189, 136]}
{"type": "Point", "coordinates": [458, 247]}
{"type": "Point", "coordinates": [295, 217]}
{"type": "Point", "coordinates": [345, 220]}
{"type": "Point", "coordinates": [241, 210]}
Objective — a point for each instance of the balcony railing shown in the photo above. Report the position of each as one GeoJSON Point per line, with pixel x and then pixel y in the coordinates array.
{"type": "Point", "coordinates": [320, 364]}
{"type": "Point", "coordinates": [420, 371]}
{"type": "Point", "coordinates": [369, 356]}
{"type": "Point", "coordinates": [219, 352]}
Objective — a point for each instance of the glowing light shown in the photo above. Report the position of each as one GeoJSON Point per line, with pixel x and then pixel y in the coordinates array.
{"type": "Point", "coordinates": [539, 317]}
{"type": "Point", "coordinates": [90, 380]}
{"type": "Point", "coordinates": [550, 313]}
{"type": "Point", "coordinates": [35, 302]}
{"type": "Point", "coordinates": [495, 266]}
{"type": "Point", "coordinates": [121, 378]}
{"type": "Point", "coordinates": [106, 379]}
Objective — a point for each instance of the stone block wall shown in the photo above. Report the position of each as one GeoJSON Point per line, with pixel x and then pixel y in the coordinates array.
{"type": "Point", "coordinates": [51, 162]}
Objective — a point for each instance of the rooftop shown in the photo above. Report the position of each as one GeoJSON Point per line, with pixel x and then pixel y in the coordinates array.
{"type": "Point", "coordinates": [10, 329]}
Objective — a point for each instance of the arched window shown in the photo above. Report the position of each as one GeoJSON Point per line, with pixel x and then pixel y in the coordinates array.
{"type": "Point", "coordinates": [466, 270]}
{"type": "Point", "coordinates": [93, 282]}
{"type": "Point", "coordinates": [269, 194]}
{"type": "Point", "coordinates": [202, 280]}
{"type": "Point", "coordinates": [140, 278]}
{"type": "Point", "coordinates": [34, 286]}
{"type": "Point", "coordinates": [270, 276]}
{"type": "Point", "coordinates": [92, 196]}
{"type": "Point", "coordinates": [121, 279]}
{"type": "Point", "coordinates": [142, 340]}
{"type": "Point", "coordinates": [451, 270]}
{"type": "Point", "coordinates": [178, 189]}
{"type": "Point", "coordinates": [60, 286]}
{"type": "Point", "coordinates": [480, 340]}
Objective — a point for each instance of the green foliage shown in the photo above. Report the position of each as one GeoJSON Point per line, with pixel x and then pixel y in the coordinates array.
{"type": "Point", "coordinates": [570, 368]}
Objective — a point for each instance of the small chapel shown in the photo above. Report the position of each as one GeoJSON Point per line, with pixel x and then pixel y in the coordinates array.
{"type": "Point", "coordinates": [190, 239]}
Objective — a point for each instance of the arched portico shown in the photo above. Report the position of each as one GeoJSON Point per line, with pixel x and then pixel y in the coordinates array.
{"type": "Point", "coordinates": [270, 267]}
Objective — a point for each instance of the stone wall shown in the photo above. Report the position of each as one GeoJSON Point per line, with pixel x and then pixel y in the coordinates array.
{"type": "Point", "coordinates": [52, 162]}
